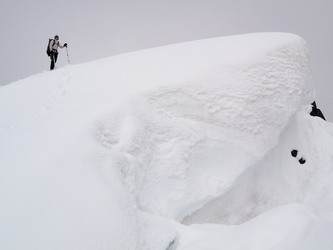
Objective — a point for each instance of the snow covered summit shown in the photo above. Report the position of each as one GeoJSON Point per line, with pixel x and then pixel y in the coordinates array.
{"type": "Point", "coordinates": [184, 146]}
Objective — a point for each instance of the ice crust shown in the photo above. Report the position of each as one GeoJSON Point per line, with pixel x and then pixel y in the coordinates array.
{"type": "Point", "coordinates": [117, 153]}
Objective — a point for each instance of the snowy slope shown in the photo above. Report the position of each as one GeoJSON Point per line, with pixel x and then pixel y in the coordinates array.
{"type": "Point", "coordinates": [117, 153]}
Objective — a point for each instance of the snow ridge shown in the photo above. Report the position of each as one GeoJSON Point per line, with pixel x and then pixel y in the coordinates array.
{"type": "Point", "coordinates": [145, 149]}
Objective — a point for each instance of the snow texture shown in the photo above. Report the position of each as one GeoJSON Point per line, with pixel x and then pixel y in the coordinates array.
{"type": "Point", "coordinates": [181, 147]}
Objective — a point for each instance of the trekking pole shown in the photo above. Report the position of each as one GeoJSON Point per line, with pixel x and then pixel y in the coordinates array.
{"type": "Point", "coordinates": [67, 55]}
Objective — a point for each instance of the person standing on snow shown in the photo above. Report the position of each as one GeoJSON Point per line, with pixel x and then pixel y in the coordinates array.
{"type": "Point", "coordinates": [54, 45]}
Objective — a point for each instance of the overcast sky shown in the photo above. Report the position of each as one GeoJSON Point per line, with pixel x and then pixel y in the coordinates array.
{"type": "Point", "coordinates": [101, 28]}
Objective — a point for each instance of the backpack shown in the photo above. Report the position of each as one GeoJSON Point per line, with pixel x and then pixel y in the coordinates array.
{"type": "Point", "coordinates": [48, 51]}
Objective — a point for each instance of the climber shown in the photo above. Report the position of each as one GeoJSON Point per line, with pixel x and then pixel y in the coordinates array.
{"type": "Point", "coordinates": [53, 50]}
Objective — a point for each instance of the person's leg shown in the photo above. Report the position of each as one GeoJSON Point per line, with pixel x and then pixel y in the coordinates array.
{"type": "Point", "coordinates": [52, 61]}
{"type": "Point", "coordinates": [55, 57]}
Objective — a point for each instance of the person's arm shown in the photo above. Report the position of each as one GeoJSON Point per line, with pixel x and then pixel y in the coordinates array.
{"type": "Point", "coordinates": [62, 46]}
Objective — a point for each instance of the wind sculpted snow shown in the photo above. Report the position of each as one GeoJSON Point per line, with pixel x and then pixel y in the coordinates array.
{"type": "Point", "coordinates": [117, 153]}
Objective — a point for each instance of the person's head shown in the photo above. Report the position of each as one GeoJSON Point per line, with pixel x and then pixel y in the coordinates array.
{"type": "Point", "coordinates": [56, 37]}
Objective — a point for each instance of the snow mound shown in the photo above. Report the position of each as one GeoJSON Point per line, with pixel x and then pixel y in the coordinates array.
{"type": "Point", "coordinates": [115, 153]}
{"type": "Point", "coordinates": [187, 143]}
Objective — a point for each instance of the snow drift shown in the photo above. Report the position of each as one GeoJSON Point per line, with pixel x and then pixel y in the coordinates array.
{"type": "Point", "coordinates": [184, 146]}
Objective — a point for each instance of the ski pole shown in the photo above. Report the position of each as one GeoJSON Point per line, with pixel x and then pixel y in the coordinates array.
{"type": "Point", "coordinates": [67, 55]}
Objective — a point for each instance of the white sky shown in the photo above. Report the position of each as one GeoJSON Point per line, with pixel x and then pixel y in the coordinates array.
{"type": "Point", "coordinates": [101, 28]}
